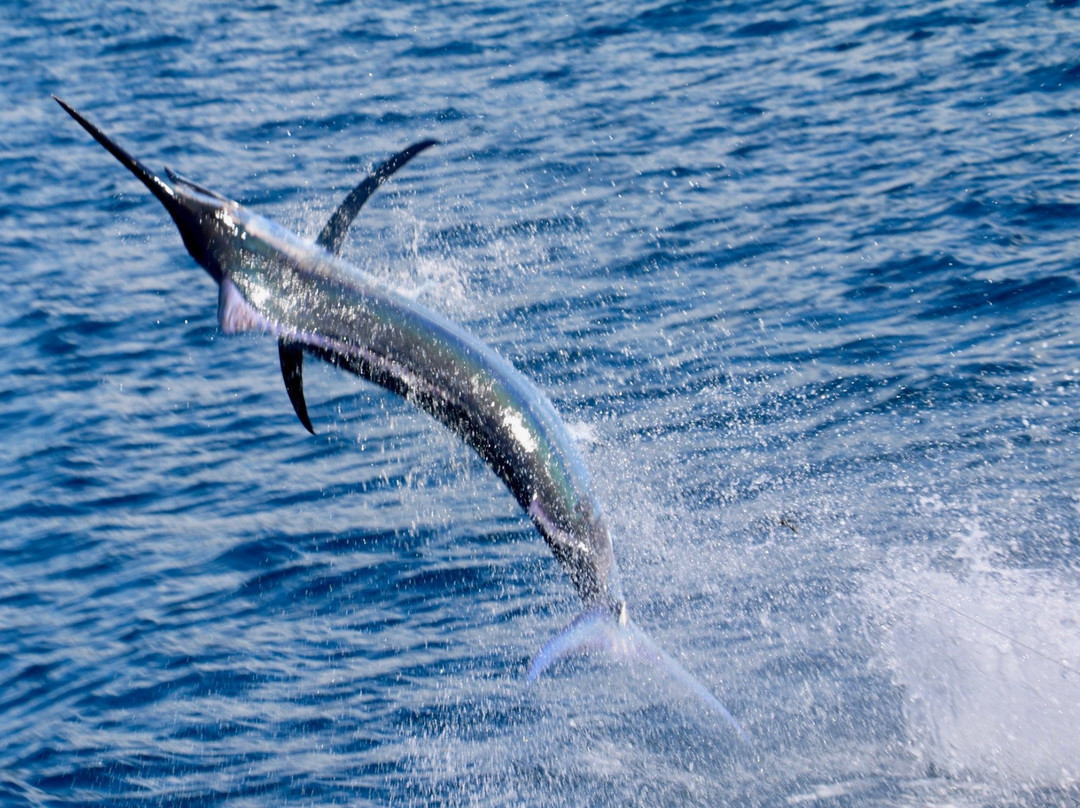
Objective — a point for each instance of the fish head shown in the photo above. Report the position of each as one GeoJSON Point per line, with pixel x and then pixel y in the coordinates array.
{"type": "Point", "coordinates": [208, 224]}
{"type": "Point", "coordinates": [206, 219]}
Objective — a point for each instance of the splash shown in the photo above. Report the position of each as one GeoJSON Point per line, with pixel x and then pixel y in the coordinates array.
{"type": "Point", "coordinates": [988, 659]}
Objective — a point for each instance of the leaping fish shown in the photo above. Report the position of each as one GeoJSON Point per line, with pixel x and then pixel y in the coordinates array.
{"type": "Point", "coordinates": [271, 280]}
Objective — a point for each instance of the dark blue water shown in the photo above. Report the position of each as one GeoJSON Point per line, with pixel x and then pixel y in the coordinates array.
{"type": "Point", "coordinates": [803, 277]}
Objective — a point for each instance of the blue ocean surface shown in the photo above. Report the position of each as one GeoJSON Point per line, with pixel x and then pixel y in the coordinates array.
{"type": "Point", "coordinates": [801, 277]}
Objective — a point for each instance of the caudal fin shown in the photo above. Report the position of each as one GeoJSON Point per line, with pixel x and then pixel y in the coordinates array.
{"type": "Point", "coordinates": [597, 629]}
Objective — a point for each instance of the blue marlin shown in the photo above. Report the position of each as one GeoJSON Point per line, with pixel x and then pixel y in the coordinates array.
{"type": "Point", "coordinates": [305, 294]}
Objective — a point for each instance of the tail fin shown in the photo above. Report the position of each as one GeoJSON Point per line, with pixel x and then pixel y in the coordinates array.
{"type": "Point", "coordinates": [597, 628]}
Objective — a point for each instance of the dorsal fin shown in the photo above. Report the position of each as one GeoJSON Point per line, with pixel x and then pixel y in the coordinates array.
{"type": "Point", "coordinates": [292, 363]}
{"type": "Point", "coordinates": [331, 239]}
{"type": "Point", "coordinates": [181, 180]}
{"type": "Point", "coordinates": [333, 235]}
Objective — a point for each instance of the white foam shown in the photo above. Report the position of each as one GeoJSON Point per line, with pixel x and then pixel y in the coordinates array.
{"type": "Point", "coordinates": [583, 433]}
{"type": "Point", "coordinates": [988, 659]}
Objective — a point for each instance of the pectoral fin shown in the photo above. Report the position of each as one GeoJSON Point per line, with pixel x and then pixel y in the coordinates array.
{"type": "Point", "coordinates": [235, 314]}
{"type": "Point", "coordinates": [292, 371]}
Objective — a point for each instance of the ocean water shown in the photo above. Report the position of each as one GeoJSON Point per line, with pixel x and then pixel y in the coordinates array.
{"type": "Point", "coordinates": [802, 278]}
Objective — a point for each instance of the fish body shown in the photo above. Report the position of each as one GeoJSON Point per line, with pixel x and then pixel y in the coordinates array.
{"type": "Point", "coordinates": [274, 281]}
{"type": "Point", "coordinates": [313, 301]}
